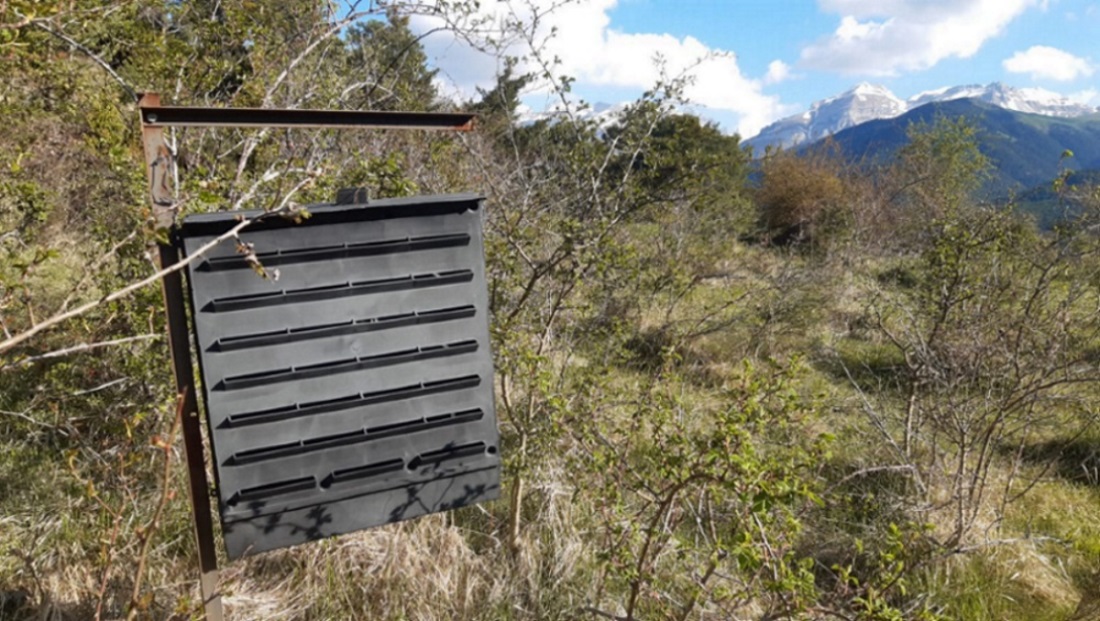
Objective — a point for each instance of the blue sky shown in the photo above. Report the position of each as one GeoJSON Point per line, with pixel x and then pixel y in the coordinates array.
{"type": "Point", "coordinates": [763, 60]}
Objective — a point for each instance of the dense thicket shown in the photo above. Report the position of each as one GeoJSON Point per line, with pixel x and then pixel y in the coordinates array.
{"type": "Point", "coordinates": [831, 393]}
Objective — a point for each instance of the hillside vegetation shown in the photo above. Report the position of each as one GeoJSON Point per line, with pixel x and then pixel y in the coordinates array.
{"type": "Point", "coordinates": [832, 393]}
{"type": "Point", "coordinates": [1025, 149]}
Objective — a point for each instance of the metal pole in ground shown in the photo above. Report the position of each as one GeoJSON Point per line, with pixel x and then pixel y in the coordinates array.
{"type": "Point", "coordinates": [159, 162]}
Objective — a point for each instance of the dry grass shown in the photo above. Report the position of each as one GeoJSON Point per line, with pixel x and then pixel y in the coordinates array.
{"type": "Point", "coordinates": [1016, 581]}
{"type": "Point", "coordinates": [441, 567]}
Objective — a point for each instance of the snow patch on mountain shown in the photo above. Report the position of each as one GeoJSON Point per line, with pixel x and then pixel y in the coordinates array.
{"type": "Point", "coordinates": [1031, 100]}
{"type": "Point", "coordinates": [863, 103]}
{"type": "Point", "coordinates": [868, 102]}
{"type": "Point", "coordinates": [602, 113]}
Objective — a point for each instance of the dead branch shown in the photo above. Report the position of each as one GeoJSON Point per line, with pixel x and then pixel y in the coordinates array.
{"type": "Point", "coordinates": [76, 349]}
{"type": "Point", "coordinates": [18, 339]}
{"type": "Point", "coordinates": [150, 528]}
{"type": "Point", "coordinates": [90, 54]}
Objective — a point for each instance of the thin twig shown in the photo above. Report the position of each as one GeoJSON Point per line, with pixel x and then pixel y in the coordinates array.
{"type": "Point", "coordinates": [1005, 542]}
{"type": "Point", "coordinates": [101, 387]}
{"type": "Point", "coordinates": [75, 349]}
{"type": "Point", "coordinates": [146, 533]}
{"type": "Point", "coordinates": [866, 471]}
{"type": "Point", "coordinates": [90, 270]}
{"type": "Point", "coordinates": [106, 575]}
{"type": "Point", "coordinates": [125, 291]}
{"type": "Point", "coordinates": [600, 613]}
{"type": "Point", "coordinates": [90, 54]}
{"type": "Point", "coordinates": [23, 415]}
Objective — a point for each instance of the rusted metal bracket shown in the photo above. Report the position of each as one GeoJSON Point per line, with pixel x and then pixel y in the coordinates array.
{"type": "Point", "coordinates": [160, 163]}
{"type": "Point", "coordinates": [160, 158]}
{"type": "Point", "coordinates": [157, 116]}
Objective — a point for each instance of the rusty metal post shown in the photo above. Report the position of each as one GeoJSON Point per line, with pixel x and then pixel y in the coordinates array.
{"type": "Point", "coordinates": [159, 162]}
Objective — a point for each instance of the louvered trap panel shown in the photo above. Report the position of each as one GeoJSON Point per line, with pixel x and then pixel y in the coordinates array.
{"type": "Point", "coordinates": [356, 388]}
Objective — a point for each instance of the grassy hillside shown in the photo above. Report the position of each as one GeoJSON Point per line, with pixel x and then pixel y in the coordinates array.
{"type": "Point", "coordinates": [844, 394]}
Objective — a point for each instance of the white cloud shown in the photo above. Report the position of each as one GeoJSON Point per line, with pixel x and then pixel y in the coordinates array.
{"type": "Point", "coordinates": [589, 49]}
{"type": "Point", "coordinates": [887, 37]}
{"type": "Point", "coordinates": [1044, 62]}
{"type": "Point", "coordinates": [778, 71]}
{"type": "Point", "coordinates": [1089, 97]}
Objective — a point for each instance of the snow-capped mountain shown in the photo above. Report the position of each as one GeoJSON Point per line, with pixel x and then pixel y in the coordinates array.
{"type": "Point", "coordinates": [867, 102]}
{"type": "Point", "coordinates": [604, 114]}
{"type": "Point", "coordinates": [863, 103]}
{"type": "Point", "coordinates": [1032, 100]}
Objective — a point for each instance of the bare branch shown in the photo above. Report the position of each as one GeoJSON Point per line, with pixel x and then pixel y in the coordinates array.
{"type": "Point", "coordinates": [18, 339]}
{"type": "Point", "coordinates": [23, 416]}
{"type": "Point", "coordinates": [90, 270]}
{"type": "Point", "coordinates": [147, 532]}
{"type": "Point", "coordinates": [90, 54]}
{"type": "Point", "coordinates": [105, 386]}
{"type": "Point", "coordinates": [76, 349]}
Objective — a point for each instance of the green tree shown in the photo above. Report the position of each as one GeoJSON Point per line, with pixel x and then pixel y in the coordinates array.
{"type": "Point", "coordinates": [690, 161]}
{"type": "Point", "coordinates": [699, 507]}
{"type": "Point", "coordinates": [389, 66]}
{"type": "Point", "coordinates": [496, 107]}
{"type": "Point", "coordinates": [940, 168]}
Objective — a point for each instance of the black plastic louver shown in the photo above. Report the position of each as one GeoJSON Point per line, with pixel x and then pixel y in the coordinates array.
{"type": "Point", "coordinates": [355, 389]}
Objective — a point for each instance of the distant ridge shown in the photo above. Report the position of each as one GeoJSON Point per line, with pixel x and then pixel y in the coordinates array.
{"type": "Point", "coordinates": [1031, 100]}
{"type": "Point", "coordinates": [867, 102]}
{"type": "Point", "coordinates": [1025, 148]}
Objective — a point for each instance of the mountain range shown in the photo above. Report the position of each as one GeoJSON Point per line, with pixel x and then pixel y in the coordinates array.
{"type": "Point", "coordinates": [1023, 131]}
{"type": "Point", "coordinates": [868, 102]}
{"type": "Point", "coordinates": [1025, 150]}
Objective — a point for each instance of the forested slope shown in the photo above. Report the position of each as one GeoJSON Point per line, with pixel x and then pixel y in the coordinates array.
{"type": "Point", "coordinates": [1025, 149]}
